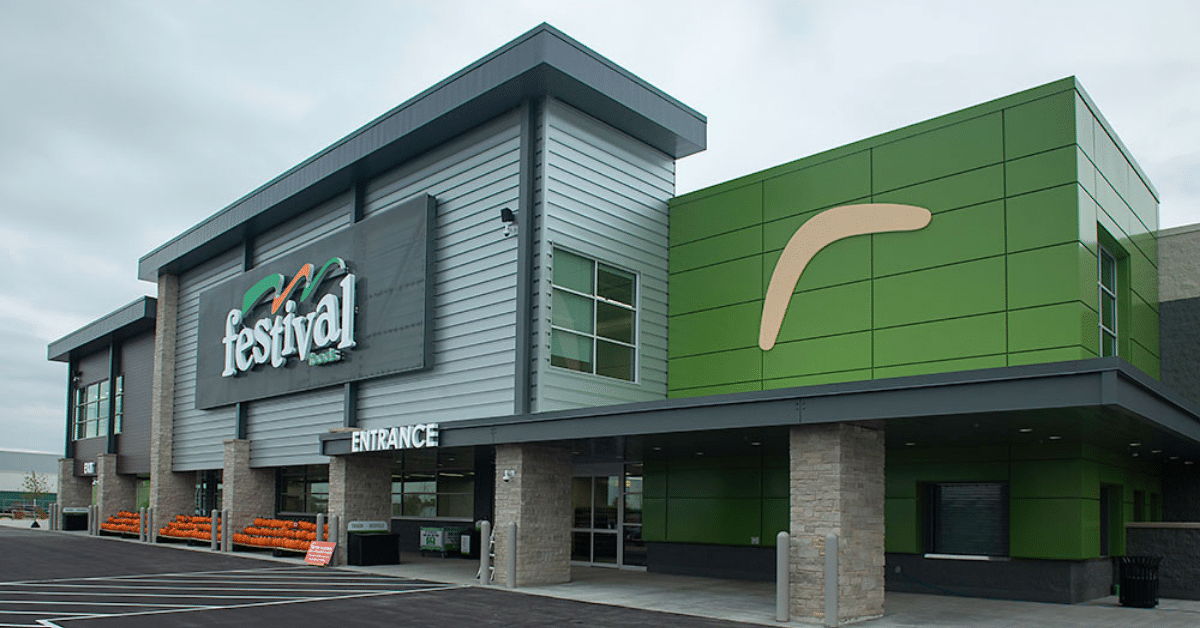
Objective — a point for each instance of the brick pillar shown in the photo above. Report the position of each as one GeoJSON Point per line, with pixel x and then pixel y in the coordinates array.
{"type": "Point", "coordinates": [73, 491]}
{"type": "Point", "coordinates": [170, 493]}
{"type": "Point", "coordinates": [837, 487]}
{"type": "Point", "coordinates": [537, 497]}
{"type": "Point", "coordinates": [114, 493]}
{"type": "Point", "coordinates": [360, 489]}
{"type": "Point", "coordinates": [247, 493]}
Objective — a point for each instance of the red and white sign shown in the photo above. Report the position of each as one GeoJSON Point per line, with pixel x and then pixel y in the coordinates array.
{"type": "Point", "coordinates": [319, 552]}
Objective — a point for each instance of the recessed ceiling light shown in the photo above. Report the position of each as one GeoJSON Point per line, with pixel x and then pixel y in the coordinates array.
{"type": "Point", "coordinates": [909, 444]}
{"type": "Point", "coordinates": [755, 443]}
{"type": "Point", "coordinates": [657, 448]}
{"type": "Point", "coordinates": [1026, 430]}
{"type": "Point", "coordinates": [1187, 462]}
{"type": "Point", "coordinates": [1056, 438]}
{"type": "Point", "coordinates": [1174, 458]}
{"type": "Point", "coordinates": [1156, 451]}
{"type": "Point", "coordinates": [699, 453]}
{"type": "Point", "coordinates": [1135, 444]}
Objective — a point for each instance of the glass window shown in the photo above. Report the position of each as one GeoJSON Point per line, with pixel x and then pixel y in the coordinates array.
{"type": "Point", "coordinates": [433, 483]}
{"type": "Point", "coordinates": [91, 409]}
{"type": "Point", "coordinates": [594, 317]}
{"type": "Point", "coordinates": [304, 489]}
{"type": "Point", "coordinates": [1108, 303]}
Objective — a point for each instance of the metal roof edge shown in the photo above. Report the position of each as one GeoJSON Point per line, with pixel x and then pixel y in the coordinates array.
{"type": "Point", "coordinates": [137, 311]}
{"type": "Point", "coordinates": [467, 98]}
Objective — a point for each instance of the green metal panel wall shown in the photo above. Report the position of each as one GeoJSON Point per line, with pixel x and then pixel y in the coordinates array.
{"type": "Point", "coordinates": [725, 500]}
{"type": "Point", "coordinates": [1005, 273]}
{"type": "Point", "coordinates": [1054, 494]}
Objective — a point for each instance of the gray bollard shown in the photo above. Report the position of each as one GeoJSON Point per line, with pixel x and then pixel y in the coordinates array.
{"type": "Point", "coordinates": [831, 580]}
{"type": "Point", "coordinates": [320, 526]}
{"type": "Point", "coordinates": [485, 549]}
{"type": "Point", "coordinates": [150, 529]}
{"type": "Point", "coordinates": [783, 593]}
{"type": "Point", "coordinates": [510, 557]}
{"type": "Point", "coordinates": [226, 530]}
{"type": "Point", "coordinates": [142, 527]}
{"type": "Point", "coordinates": [212, 542]}
{"type": "Point", "coordinates": [94, 520]}
{"type": "Point", "coordinates": [51, 513]}
{"type": "Point", "coordinates": [334, 520]}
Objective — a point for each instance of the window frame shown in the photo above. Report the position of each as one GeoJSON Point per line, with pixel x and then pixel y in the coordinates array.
{"type": "Point", "coordinates": [90, 413]}
{"type": "Point", "coordinates": [596, 300]}
{"type": "Point", "coordinates": [1113, 293]}
{"type": "Point", "coordinates": [456, 462]}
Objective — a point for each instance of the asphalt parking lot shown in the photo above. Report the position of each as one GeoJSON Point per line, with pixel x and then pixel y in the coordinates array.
{"type": "Point", "coordinates": [50, 579]}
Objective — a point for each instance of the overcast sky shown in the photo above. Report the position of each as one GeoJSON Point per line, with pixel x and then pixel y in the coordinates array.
{"type": "Point", "coordinates": [124, 123]}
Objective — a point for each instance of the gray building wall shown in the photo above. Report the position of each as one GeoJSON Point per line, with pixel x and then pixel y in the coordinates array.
{"type": "Point", "coordinates": [284, 430]}
{"type": "Point", "coordinates": [1179, 309]}
{"type": "Point", "coordinates": [474, 288]}
{"type": "Point", "coordinates": [603, 195]}
{"type": "Point", "coordinates": [199, 435]}
{"type": "Point", "coordinates": [137, 368]}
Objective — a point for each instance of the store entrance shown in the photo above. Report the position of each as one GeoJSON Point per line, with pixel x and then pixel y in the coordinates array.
{"type": "Point", "coordinates": [607, 526]}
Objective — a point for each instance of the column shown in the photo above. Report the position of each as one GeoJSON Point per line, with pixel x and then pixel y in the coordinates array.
{"type": "Point", "coordinates": [360, 489]}
{"type": "Point", "coordinates": [73, 491]}
{"type": "Point", "coordinates": [837, 486]}
{"type": "Point", "coordinates": [170, 493]}
{"type": "Point", "coordinates": [114, 492]}
{"type": "Point", "coordinates": [533, 490]}
{"type": "Point", "coordinates": [245, 492]}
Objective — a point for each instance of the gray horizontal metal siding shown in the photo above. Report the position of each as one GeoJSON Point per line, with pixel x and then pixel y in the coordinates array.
{"type": "Point", "coordinates": [310, 226]}
{"type": "Point", "coordinates": [286, 430]}
{"type": "Point", "coordinates": [605, 197]}
{"type": "Point", "coordinates": [199, 440]}
{"type": "Point", "coordinates": [137, 369]}
{"type": "Point", "coordinates": [474, 288]}
{"type": "Point", "coordinates": [92, 368]}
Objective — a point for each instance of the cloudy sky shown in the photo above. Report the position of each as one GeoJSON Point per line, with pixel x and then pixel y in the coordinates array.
{"type": "Point", "coordinates": [123, 123]}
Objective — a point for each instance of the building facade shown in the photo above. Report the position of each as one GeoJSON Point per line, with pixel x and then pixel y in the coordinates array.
{"type": "Point", "coordinates": [941, 344]}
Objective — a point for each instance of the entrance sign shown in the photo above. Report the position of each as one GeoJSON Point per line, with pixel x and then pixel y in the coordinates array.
{"type": "Point", "coordinates": [320, 552]}
{"type": "Point", "coordinates": [416, 436]}
{"type": "Point", "coordinates": [353, 305]}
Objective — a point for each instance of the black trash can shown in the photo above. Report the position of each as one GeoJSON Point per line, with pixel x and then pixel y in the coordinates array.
{"type": "Point", "coordinates": [1139, 581]}
{"type": "Point", "coordinates": [372, 548]}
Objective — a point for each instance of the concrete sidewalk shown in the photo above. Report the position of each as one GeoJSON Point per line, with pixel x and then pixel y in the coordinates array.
{"type": "Point", "coordinates": [754, 602]}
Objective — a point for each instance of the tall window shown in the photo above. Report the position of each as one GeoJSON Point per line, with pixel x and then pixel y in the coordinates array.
{"type": "Point", "coordinates": [91, 409]}
{"type": "Point", "coordinates": [434, 483]}
{"type": "Point", "coordinates": [594, 323]}
{"type": "Point", "coordinates": [1108, 303]}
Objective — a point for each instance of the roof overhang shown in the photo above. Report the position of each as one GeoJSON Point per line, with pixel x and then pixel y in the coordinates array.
{"type": "Point", "coordinates": [542, 62]}
{"type": "Point", "coordinates": [132, 319]}
{"type": "Point", "coordinates": [966, 407]}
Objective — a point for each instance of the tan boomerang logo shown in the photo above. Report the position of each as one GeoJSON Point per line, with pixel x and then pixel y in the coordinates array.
{"type": "Point", "coordinates": [819, 232]}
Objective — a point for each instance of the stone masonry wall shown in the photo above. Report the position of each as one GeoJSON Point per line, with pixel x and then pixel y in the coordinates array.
{"type": "Point", "coordinates": [247, 493]}
{"type": "Point", "coordinates": [114, 492]}
{"type": "Point", "coordinates": [170, 493]}
{"type": "Point", "coordinates": [837, 487]}
{"type": "Point", "coordinates": [73, 491]}
{"type": "Point", "coordinates": [360, 489]}
{"type": "Point", "coordinates": [537, 497]}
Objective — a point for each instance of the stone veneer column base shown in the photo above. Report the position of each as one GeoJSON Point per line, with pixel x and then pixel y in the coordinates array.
{"type": "Point", "coordinates": [170, 493]}
{"type": "Point", "coordinates": [537, 497]}
{"type": "Point", "coordinates": [245, 492]}
{"type": "Point", "coordinates": [73, 491]}
{"type": "Point", "coordinates": [114, 492]}
{"type": "Point", "coordinates": [837, 486]}
{"type": "Point", "coordinates": [360, 489]}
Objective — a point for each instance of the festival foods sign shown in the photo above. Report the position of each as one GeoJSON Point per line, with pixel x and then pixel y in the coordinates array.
{"type": "Point", "coordinates": [351, 306]}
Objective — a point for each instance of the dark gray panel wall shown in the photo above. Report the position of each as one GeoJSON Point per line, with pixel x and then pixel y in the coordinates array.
{"type": "Point", "coordinates": [605, 197]}
{"type": "Point", "coordinates": [1179, 328]}
{"type": "Point", "coordinates": [474, 288]}
{"type": "Point", "coordinates": [93, 368]}
{"type": "Point", "coordinates": [1179, 571]}
{"type": "Point", "coordinates": [137, 368]}
{"type": "Point", "coordinates": [86, 451]}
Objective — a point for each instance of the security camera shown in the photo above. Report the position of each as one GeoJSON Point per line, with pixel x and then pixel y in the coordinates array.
{"type": "Point", "coordinates": [509, 218]}
{"type": "Point", "coordinates": [509, 474]}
